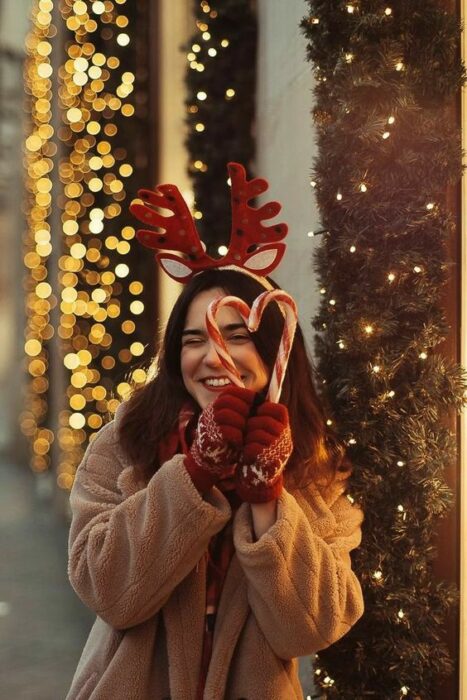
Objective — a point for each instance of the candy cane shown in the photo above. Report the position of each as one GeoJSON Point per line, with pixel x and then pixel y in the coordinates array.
{"type": "Point", "coordinates": [289, 309]}
{"type": "Point", "coordinates": [252, 318]}
{"type": "Point", "coordinates": [216, 336]}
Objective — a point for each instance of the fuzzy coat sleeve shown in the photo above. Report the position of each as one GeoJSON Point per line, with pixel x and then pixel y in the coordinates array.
{"type": "Point", "coordinates": [127, 554]}
{"type": "Point", "coordinates": [301, 587]}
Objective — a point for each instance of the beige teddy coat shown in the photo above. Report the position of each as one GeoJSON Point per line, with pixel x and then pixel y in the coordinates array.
{"type": "Point", "coordinates": [136, 559]}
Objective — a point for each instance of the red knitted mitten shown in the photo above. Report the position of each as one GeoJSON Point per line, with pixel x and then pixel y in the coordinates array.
{"type": "Point", "coordinates": [216, 447]}
{"type": "Point", "coordinates": [268, 446]}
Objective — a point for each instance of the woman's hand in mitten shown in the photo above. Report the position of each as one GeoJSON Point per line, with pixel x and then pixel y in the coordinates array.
{"type": "Point", "coordinates": [268, 446]}
{"type": "Point", "coordinates": [219, 437]}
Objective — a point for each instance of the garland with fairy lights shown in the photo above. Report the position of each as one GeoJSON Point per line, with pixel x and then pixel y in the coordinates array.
{"type": "Point", "coordinates": [386, 74]}
{"type": "Point", "coordinates": [220, 83]}
{"type": "Point", "coordinates": [101, 157]}
{"type": "Point", "coordinates": [39, 150]}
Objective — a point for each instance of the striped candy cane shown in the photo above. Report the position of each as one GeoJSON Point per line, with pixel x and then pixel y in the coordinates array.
{"type": "Point", "coordinates": [289, 310]}
{"type": "Point", "coordinates": [216, 336]}
{"type": "Point", "coordinates": [252, 318]}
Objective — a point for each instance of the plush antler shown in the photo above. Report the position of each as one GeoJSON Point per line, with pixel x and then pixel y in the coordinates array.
{"type": "Point", "coordinates": [248, 233]}
{"type": "Point", "coordinates": [179, 231]}
{"type": "Point", "coordinates": [253, 246]}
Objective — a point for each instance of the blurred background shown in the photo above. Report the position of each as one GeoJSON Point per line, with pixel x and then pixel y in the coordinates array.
{"type": "Point", "coordinates": [98, 99]}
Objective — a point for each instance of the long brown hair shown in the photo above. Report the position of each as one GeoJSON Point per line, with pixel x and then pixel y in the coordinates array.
{"type": "Point", "coordinates": [152, 410]}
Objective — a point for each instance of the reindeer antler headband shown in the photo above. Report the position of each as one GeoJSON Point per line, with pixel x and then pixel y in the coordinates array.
{"type": "Point", "coordinates": [253, 247]}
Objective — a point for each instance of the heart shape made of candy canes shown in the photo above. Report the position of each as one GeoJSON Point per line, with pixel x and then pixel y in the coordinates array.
{"type": "Point", "coordinates": [252, 318]}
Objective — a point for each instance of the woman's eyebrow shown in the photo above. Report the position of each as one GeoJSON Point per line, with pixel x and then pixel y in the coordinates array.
{"type": "Point", "coordinates": [193, 331]}
{"type": "Point", "coordinates": [228, 327]}
{"type": "Point", "coordinates": [233, 327]}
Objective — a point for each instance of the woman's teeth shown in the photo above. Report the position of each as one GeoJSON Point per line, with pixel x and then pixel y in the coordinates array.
{"type": "Point", "coordinates": [217, 382]}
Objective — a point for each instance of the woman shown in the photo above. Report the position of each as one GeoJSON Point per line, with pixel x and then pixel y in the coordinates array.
{"type": "Point", "coordinates": [208, 580]}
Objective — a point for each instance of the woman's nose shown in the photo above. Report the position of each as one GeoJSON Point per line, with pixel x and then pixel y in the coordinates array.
{"type": "Point", "coordinates": [211, 357]}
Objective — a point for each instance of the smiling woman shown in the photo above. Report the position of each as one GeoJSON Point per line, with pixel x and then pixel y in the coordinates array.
{"type": "Point", "coordinates": [189, 511]}
{"type": "Point", "coordinates": [202, 371]}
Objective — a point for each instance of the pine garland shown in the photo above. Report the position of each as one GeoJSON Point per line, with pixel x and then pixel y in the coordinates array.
{"type": "Point", "coordinates": [388, 148]}
{"type": "Point", "coordinates": [219, 125]}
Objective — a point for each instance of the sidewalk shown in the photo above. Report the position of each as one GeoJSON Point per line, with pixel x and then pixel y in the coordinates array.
{"type": "Point", "coordinates": [43, 624]}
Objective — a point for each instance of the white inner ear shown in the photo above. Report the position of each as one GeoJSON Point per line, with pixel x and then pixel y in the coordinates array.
{"type": "Point", "coordinates": [175, 268]}
{"type": "Point", "coordinates": [259, 261]}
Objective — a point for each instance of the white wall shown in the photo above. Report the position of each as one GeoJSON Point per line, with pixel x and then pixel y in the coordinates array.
{"type": "Point", "coordinates": [285, 151]}
{"type": "Point", "coordinates": [286, 144]}
{"type": "Point", "coordinates": [176, 24]}
{"type": "Point", "coordinates": [14, 24]}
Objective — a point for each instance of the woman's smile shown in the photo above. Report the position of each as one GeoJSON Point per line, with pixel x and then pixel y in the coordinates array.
{"type": "Point", "coordinates": [202, 371]}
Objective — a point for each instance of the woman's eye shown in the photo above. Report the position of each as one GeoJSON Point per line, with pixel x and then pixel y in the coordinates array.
{"type": "Point", "coordinates": [240, 337]}
{"type": "Point", "coordinates": [191, 341]}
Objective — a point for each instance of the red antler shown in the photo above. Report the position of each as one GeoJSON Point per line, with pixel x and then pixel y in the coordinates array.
{"type": "Point", "coordinates": [249, 238]}
{"type": "Point", "coordinates": [179, 230]}
{"type": "Point", "coordinates": [253, 246]}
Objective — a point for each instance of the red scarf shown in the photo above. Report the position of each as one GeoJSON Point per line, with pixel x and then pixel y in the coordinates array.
{"type": "Point", "coordinates": [221, 547]}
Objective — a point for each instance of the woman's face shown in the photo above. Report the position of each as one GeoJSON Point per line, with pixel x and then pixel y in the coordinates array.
{"type": "Point", "coordinates": [203, 374]}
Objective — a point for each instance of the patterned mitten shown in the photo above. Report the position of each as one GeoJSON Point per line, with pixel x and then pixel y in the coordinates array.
{"type": "Point", "coordinates": [268, 446]}
{"type": "Point", "coordinates": [219, 437]}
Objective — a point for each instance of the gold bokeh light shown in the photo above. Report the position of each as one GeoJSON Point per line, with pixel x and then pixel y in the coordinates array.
{"type": "Point", "coordinates": [81, 167]}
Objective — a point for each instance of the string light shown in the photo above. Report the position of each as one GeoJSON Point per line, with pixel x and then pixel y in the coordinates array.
{"type": "Point", "coordinates": [39, 149]}
{"type": "Point", "coordinates": [391, 277]}
{"type": "Point", "coordinates": [352, 249]}
{"type": "Point", "coordinates": [91, 164]}
{"type": "Point", "coordinates": [363, 187]}
{"type": "Point", "coordinates": [430, 206]}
